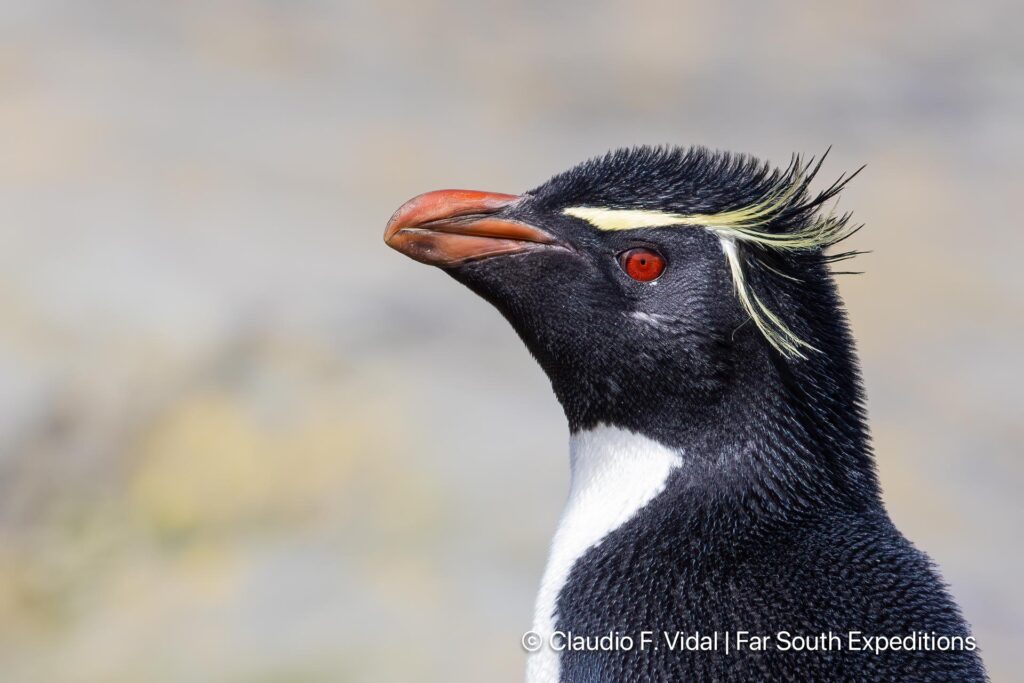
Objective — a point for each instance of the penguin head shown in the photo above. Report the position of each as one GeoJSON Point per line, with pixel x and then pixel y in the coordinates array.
{"type": "Point", "coordinates": [647, 278]}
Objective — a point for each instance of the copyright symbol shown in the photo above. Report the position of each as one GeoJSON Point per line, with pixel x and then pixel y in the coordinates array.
{"type": "Point", "coordinates": [532, 641]}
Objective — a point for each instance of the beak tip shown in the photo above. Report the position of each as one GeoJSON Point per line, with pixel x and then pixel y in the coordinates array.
{"type": "Point", "coordinates": [390, 230]}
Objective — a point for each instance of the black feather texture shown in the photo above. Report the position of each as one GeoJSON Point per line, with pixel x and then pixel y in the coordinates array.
{"type": "Point", "coordinates": [774, 521]}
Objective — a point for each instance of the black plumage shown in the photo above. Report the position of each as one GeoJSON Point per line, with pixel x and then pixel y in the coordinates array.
{"type": "Point", "coordinates": [774, 519]}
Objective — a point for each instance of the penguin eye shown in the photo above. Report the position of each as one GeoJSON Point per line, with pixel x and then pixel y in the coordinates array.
{"type": "Point", "coordinates": [642, 264]}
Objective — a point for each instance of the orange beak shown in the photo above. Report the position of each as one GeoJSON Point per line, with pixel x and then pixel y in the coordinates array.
{"type": "Point", "coordinates": [447, 228]}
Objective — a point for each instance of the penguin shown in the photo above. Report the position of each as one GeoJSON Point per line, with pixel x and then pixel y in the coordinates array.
{"type": "Point", "coordinates": [724, 520]}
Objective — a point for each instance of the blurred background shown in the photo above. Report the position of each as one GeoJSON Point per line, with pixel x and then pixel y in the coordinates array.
{"type": "Point", "coordinates": [242, 441]}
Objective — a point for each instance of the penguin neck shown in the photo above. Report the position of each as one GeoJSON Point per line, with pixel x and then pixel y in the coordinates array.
{"type": "Point", "coordinates": [776, 437]}
{"type": "Point", "coordinates": [758, 459]}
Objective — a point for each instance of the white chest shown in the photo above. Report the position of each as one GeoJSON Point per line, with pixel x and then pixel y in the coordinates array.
{"type": "Point", "coordinates": [614, 473]}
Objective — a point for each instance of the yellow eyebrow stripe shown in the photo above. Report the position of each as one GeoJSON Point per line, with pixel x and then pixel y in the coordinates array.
{"type": "Point", "coordinates": [741, 222]}
{"type": "Point", "coordinates": [624, 219]}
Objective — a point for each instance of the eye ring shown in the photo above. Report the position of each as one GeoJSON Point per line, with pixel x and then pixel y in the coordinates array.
{"type": "Point", "coordinates": [642, 264]}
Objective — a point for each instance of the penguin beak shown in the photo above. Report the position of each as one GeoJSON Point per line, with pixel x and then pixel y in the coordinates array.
{"type": "Point", "coordinates": [447, 228]}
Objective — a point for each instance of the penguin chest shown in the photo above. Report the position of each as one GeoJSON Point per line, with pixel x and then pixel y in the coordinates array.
{"type": "Point", "coordinates": [615, 474]}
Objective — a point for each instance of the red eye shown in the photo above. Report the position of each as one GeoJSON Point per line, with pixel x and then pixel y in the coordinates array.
{"type": "Point", "coordinates": [642, 264]}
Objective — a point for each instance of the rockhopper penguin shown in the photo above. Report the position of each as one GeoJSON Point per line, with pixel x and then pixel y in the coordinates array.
{"type": "Point", "coordinates": [682, 305]}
